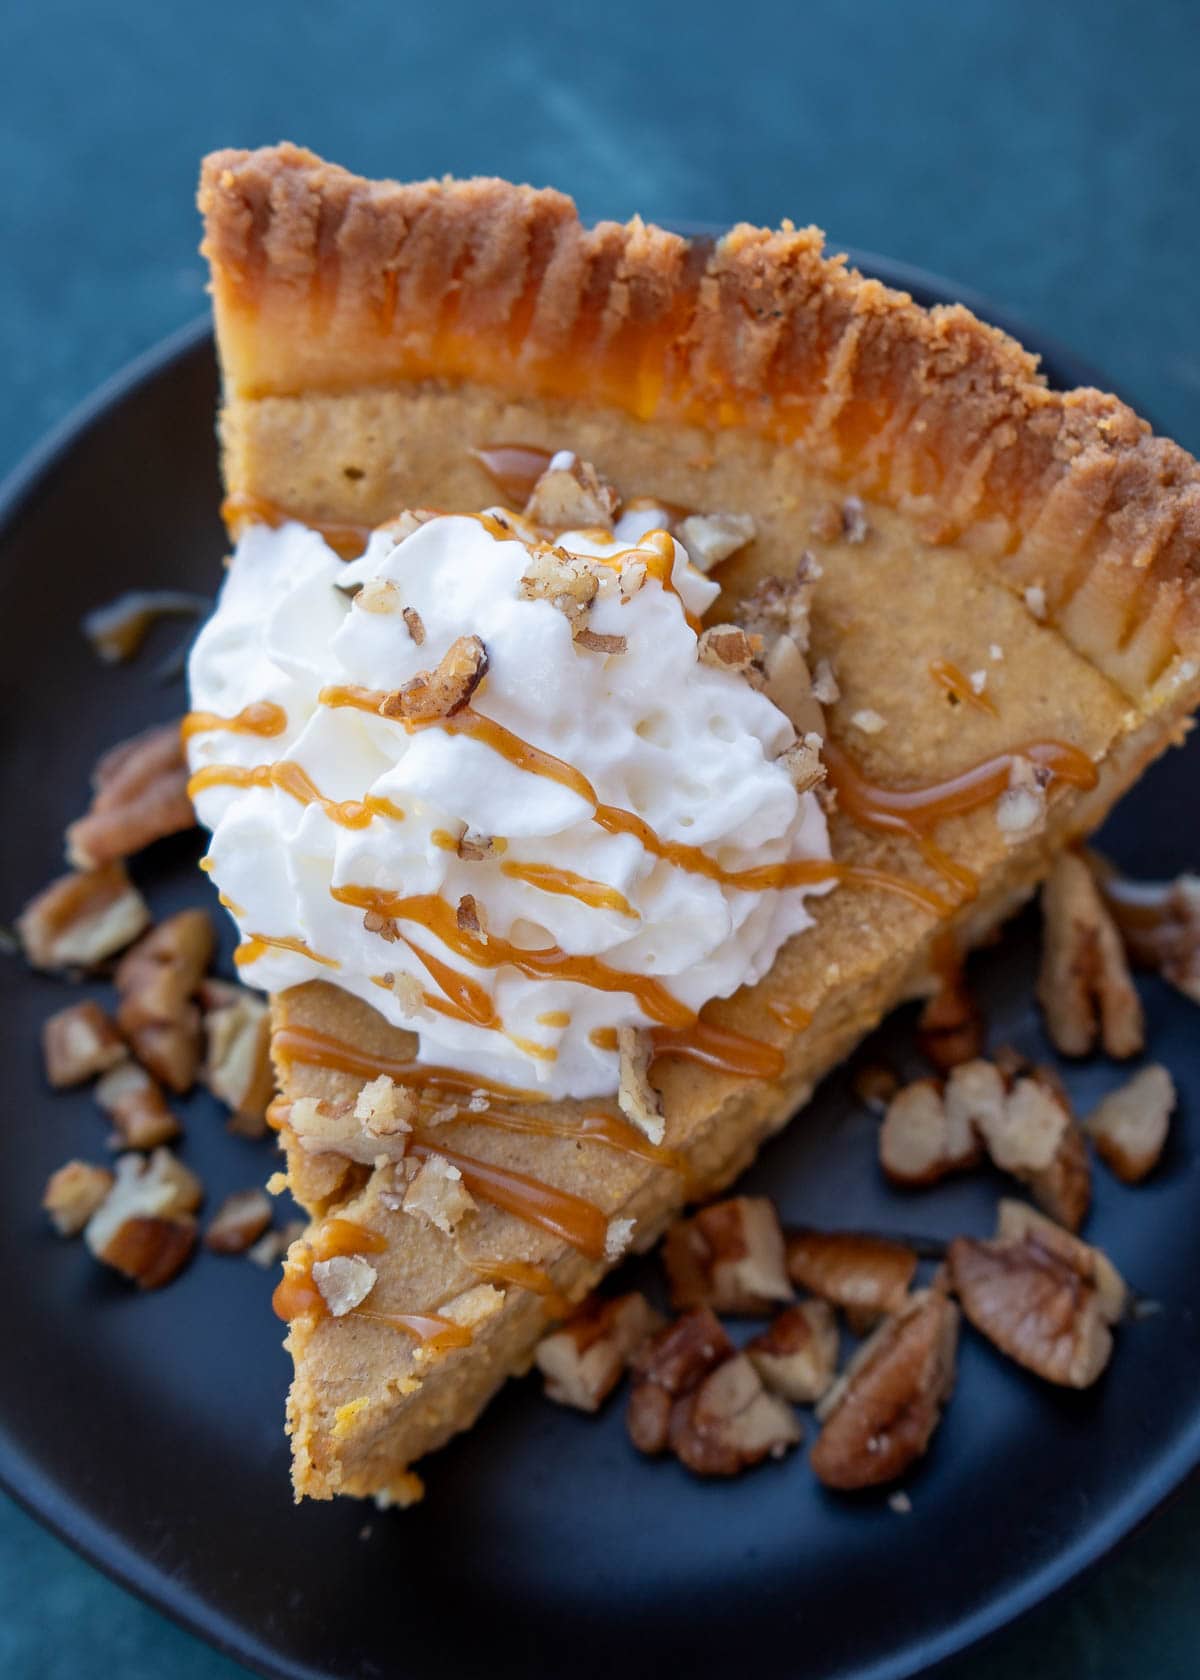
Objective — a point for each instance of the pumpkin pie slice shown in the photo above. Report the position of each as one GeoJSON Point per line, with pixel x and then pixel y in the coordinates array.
{"type": "Point", "coordinates": [1004, 630]}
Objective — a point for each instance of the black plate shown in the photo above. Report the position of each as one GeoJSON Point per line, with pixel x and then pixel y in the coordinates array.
{"type": "Point", "coordinates": [147, 1430]}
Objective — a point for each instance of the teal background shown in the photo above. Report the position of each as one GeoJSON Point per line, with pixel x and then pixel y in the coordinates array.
{"type": "Point", "coordinates": [1045, 154]}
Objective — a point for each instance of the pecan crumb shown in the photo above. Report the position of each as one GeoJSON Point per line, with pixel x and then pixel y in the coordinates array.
{"type": "Point", "coordinates": [571, 495]}
{"type": "Point", "coordinates": [728, 1256]}
{"type": "Point", "coordinates": [137, 1108]}
{"type": "Point", "coordinates": [73, 1193]}
{"type": "Point", "coordinates": [237, 1063]}
{"type": "Point", "coordinates": [880, 1415]}
{"type": "Point", "coordinates": [438, 1194]}
{"type": "Point", "coordinates": [1034, 1136]}
{"type": "Point", "coordinates": [156, 982]}
{"type": "Point", "coordinates": [569, 584]}
{"type": "Point", "coordinates": [78, 1043]}
{"type": "Point", "coordinates": [712, 537]}
{"type": "Point", "coordinates": [416, 627]}
{"type": "Point", "coordinates": [1084, 985]}
{"type": "Point", "coordinates": [344, 1282]}
{"type": "Point", "coordinates": [1129, 1126]}
{"type": "Point", "coordinates": [596, 643]}
{"type": "Point", "coordinates": [728, 647]}
{"type": "Point", "coordinates": [239, 1222]}
{"type": "Point", "coordinates": [583, 1360]}
{"type": "Point", "coordinates": [474, 847]}
{"type": "Point", "coordinates": [471, 918]}
{"type": "Point", "coordinates": [922, 1139]}
{"type": "Point", "coordinates": [384, 926]}
{"type": "Point", "coordinates": [377, 595]}
{"type": "Point", "coordinates": [139, 795]}
{"type": "Point", "coordinates": [82, 918]}
{"type": "Point", "coordinates": [636, 1097]}
{"type": "Point", "coordinates": [144, 1227]}
{"type": "Point", "coordinates": [386, 1108]}
{"type": "Point", "coordinates": [444, 690]}
{"type": "Point", "coordinates": [1021, 808]}
{"type": "Point", "coordinates": [802, 761]}
{"type": "Point", "coordinates": [796, 1356]}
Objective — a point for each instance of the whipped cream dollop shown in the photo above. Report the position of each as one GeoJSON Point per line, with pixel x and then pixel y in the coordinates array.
{"type": "Point", "coordinates": [481, 895]}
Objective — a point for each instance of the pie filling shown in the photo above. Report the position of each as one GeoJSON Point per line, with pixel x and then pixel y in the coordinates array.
{"type": "Point", "coordinates": [481, 777]}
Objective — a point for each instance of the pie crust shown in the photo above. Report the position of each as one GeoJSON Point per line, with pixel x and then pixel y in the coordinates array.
{"type": "Point", "coordinates": [371, 335]}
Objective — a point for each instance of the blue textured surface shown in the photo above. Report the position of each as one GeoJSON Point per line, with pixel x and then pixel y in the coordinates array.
{"type": "Point", "coordinates": [1045, 155]}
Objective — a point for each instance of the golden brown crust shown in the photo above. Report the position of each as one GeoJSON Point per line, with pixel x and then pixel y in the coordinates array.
{"type": "Point", "coordinates": [325, 282]}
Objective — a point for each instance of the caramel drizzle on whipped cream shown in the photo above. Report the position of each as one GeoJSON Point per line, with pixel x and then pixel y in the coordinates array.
{"type": "Point", "coordinates": [260, 717]}
{"type": "Point", "coordinates": [291, 778]}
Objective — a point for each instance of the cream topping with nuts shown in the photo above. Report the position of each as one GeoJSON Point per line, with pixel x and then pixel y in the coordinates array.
{"type": "Point", "coordinates": [393, 792]}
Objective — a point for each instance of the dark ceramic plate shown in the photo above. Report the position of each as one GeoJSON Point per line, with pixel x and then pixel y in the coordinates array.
{"type": "Point", "coordinates": [147, 1430]}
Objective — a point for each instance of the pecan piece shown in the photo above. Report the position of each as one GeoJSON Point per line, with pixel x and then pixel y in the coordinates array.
{"type": "Point", "coordinates": [1084, 986]}
{"type": "Point", "coordinates": [78, 1043]}
{"type": "Point", "coordinates": [156, 982]}
{"type": "Point", "coordinates": [865, 1276]}
{"type": "Point", "coordinates": [136, 1107]}
{"type": "Point", "coordinates": [712, 537]}
{"type": "Point", "coordinates": [325, 1128]}
{"type": "Point", "coordinates": [139, 795]}
{"type": "Point", "coordinates": [796, 1356]}
{"type": "Point", "coordinates": [80, 919]}
{"type": "Point", "coordinates": [730, 1422]}
{"type": "Point", "coordinates": [438, 1194]}
{"type": "Point", "coordinates": [583, 1360]}
{"type": "Point", "coordinates": [1129, 1127]}
{"type": "Point", "coordinates": [1034, 1136]}
{"type": "Point", "coordinates": [237, 1056]}
{"type": "Point", "coordinates": [566, 581]}
{"type": "Point", "coordinates": [880, 1415]}
{"type": "Point", "coordinates": [444, 690]}
{"type": "Point", "coordinates": [73, 1193]}
{"type": "Point", "coordinates": [239, 1222]}
{"type": "Point", "coordinates": [729, 1256]}
{"type": "Point", "coordinates": [636, 1097]}
{"type": "Point", "coordinates": [1044, 1298]}
{"type": "Point", "coordinates": [923, 1139]}
{"type": "Point", "coordinates": [1160, 924]}
{"type": "Point", "coordinates": [950, 1026]}
{"type": "Point", "coordinates": [344, 1282]}
{"type": "Point", "coordinates": [144, 1227]}
{"type": "Point", "coordinates": [571, 495]}
{"type": "Point", "coordinates": [671, 1364]}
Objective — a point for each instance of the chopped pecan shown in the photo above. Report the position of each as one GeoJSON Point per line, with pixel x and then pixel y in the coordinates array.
{"type": "Point", "coordinates": [237, 1059]}
{"type": "Point", "coordinates": [384, 926]}
{"type": "Point", "coordinates": [671, 1364]}
{"type": "Point", "coordinates": [444, 690]}
{"type": "Point", "coordinates": [730, 1422]}
{"type": "Point", "coordinates": [136, 1106]}
{"type": "Point", "coordinates": [386, 1108]}
{"type": "Point", "coordinates": [825, 684]}
{"type": "Point", "coordinates": [377, 595]}
{"type": "Point", "coordinates": [566, 581]}
{"type": "Point", "coordinates": [273, 1245]}
{"type": "Point", "coordinates": [880, 1415]}
{"type": "Point", "coordinates": [796, 1356]}
{"type": "Point", "coordinates": [415, 624]}
{"type": "Point", "coordinates": [786, 682]}
{"type": "Point", "coordinates": [1129, 1127]}
{"type": "Point", "coordinates": [780, 606]}
{"type": "Point", "coordinates": [156, 982]}
{"type": "Point", "coordinates": [865, 1276]}
{"type": "Point", "coordinates": [326, 1128]}
{"type": "Point", "coordinates": [470, 917]}
{"type": "Point", "coordinates": [950, 1027]}
{"type": "Point", "coordinates": [596, 643]}
{"type": "Point", "coordinates": [73, 1193]}
{"type": "Point", "coordinates": [729, 1256]}
{"type": "Point", "coordinates": [730, 648]}
{"type": "Point", "coordinates": [975, 1097]}
{"type": "Point", "coordinates": [1160, 924]}
{"type": "Point", "coordinates": [583, 1360]}
{"type": "Point", "coordinates": [868, 720]}
{"type": "Point", "coordinates": [1034, 1136]}
{"type": "Point", "coordinates": [80, 919]}
{"type": "Point", "coordinates": [1021, 808]}
{"type": "Point", "coordinates": [79, 1042]}
{"type": "Point", "coordinates": [474, 847]}
{"type": "Point", "coordinates": [1043, 1297]}
{"type": "Point", "coordinates": [712, 537]}
{"type": "Point", "coordinates": [239, 1222]}
{"type": "Point", "coordinates": [802, 761]}
{"type": "Point", "coordinates": [923, 1139]}
{"type": "Point", "coordinates": [140, 794]}
{"type": "Point", "coordinates": [144, 1227]}
{"type": "Point", "coordinates": [1084, 986]}
{"type": "Point", "coordinates": [438, 1194]}
{"type": "Point", "coordinates": [571, 495]}
{"type": "Point", "coordinates": [344, 1282]}
{"type": "Point", "coordinates": [636, 1097]}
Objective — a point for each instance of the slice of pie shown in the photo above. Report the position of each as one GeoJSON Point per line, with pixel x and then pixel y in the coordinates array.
{"type": "Point", "coordinates": [1004, 630]}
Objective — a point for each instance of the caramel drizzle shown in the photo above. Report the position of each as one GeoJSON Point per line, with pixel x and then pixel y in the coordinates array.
{"type": "Point", "coordinates": [514, 468]}
{"type": "Point", "coordinates": [256, 945]}
{"type": "Point", "coordinates": [521, 1274]}
{"type": "Point", "coordinates": [345, 538]}
{"type": "Point", "coordinates": [582, 1225]}
{"type": "Point", "coordinates": [317, 1049]}
{"type": "Point", "coordinates": [720, 1048]}
{"type": "Point", "coordinates": [296, 1295]}
{"type": "Point", "coordinates": [546, 878]}
{"type": "Point", "coordinates": [260, 717]}
{"type": "Point", "coordinates": [289, 777]}
{"type": "Point", "coordinates": [794, 1016]}
{"type": "Point", "coordinates": [956, 682]}
{"type": "Point", "coordinates": [599, 1126]}
{"type": "Point", "coordinates": [433, 913]}
{"type": "Point", "coordinates": [604, 1038]}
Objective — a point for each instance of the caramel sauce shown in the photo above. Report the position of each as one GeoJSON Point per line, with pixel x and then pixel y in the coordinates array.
{"type": "Point", "coordinates": [514, 468]}
{"type": "Point", "coordinates": [552, 962]}
{"type": "Point", "coordinates": [794, 1016]}
{"type": "Point", "coordinates": [580, 1224]}
{"type": "Point", "coordinates": [554, 1018]}
{"type": "Point", "coordinates": [720, 1048]}
{"type": "Point", "coordinates": [521, 1274]}
{"type": "Point", "coordinates": [547, 878]}
{"type": "Point", "coordinates": [290, 778]}
{"type": "Point", "coordinates": [956, 682]}
{"type": "Point", "coordinates": [317, 1049]}
{"type": "Point", "coordinates": [431, 1330]}
{"type": "Point", "coordinates": [469, 999]}
{"type": "Point", "coordinates": [604, 1038]}
{"type": "Point", "coordinates": [600, 1126]}
{"type": "Point", "coordinates": [256, 945]}
{"type": "Point", "coordinates": [260, 717]}
{"type": "Point", "coordinates": [229, 904]}
{"type": "Point", "coordinates": [344, 538]}
{"type": "Point", "coordinates": [531, 1047]}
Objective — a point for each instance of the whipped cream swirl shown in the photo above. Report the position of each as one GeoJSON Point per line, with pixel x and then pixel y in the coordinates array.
{"type": "Point", "coordinates": [363, 810]}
